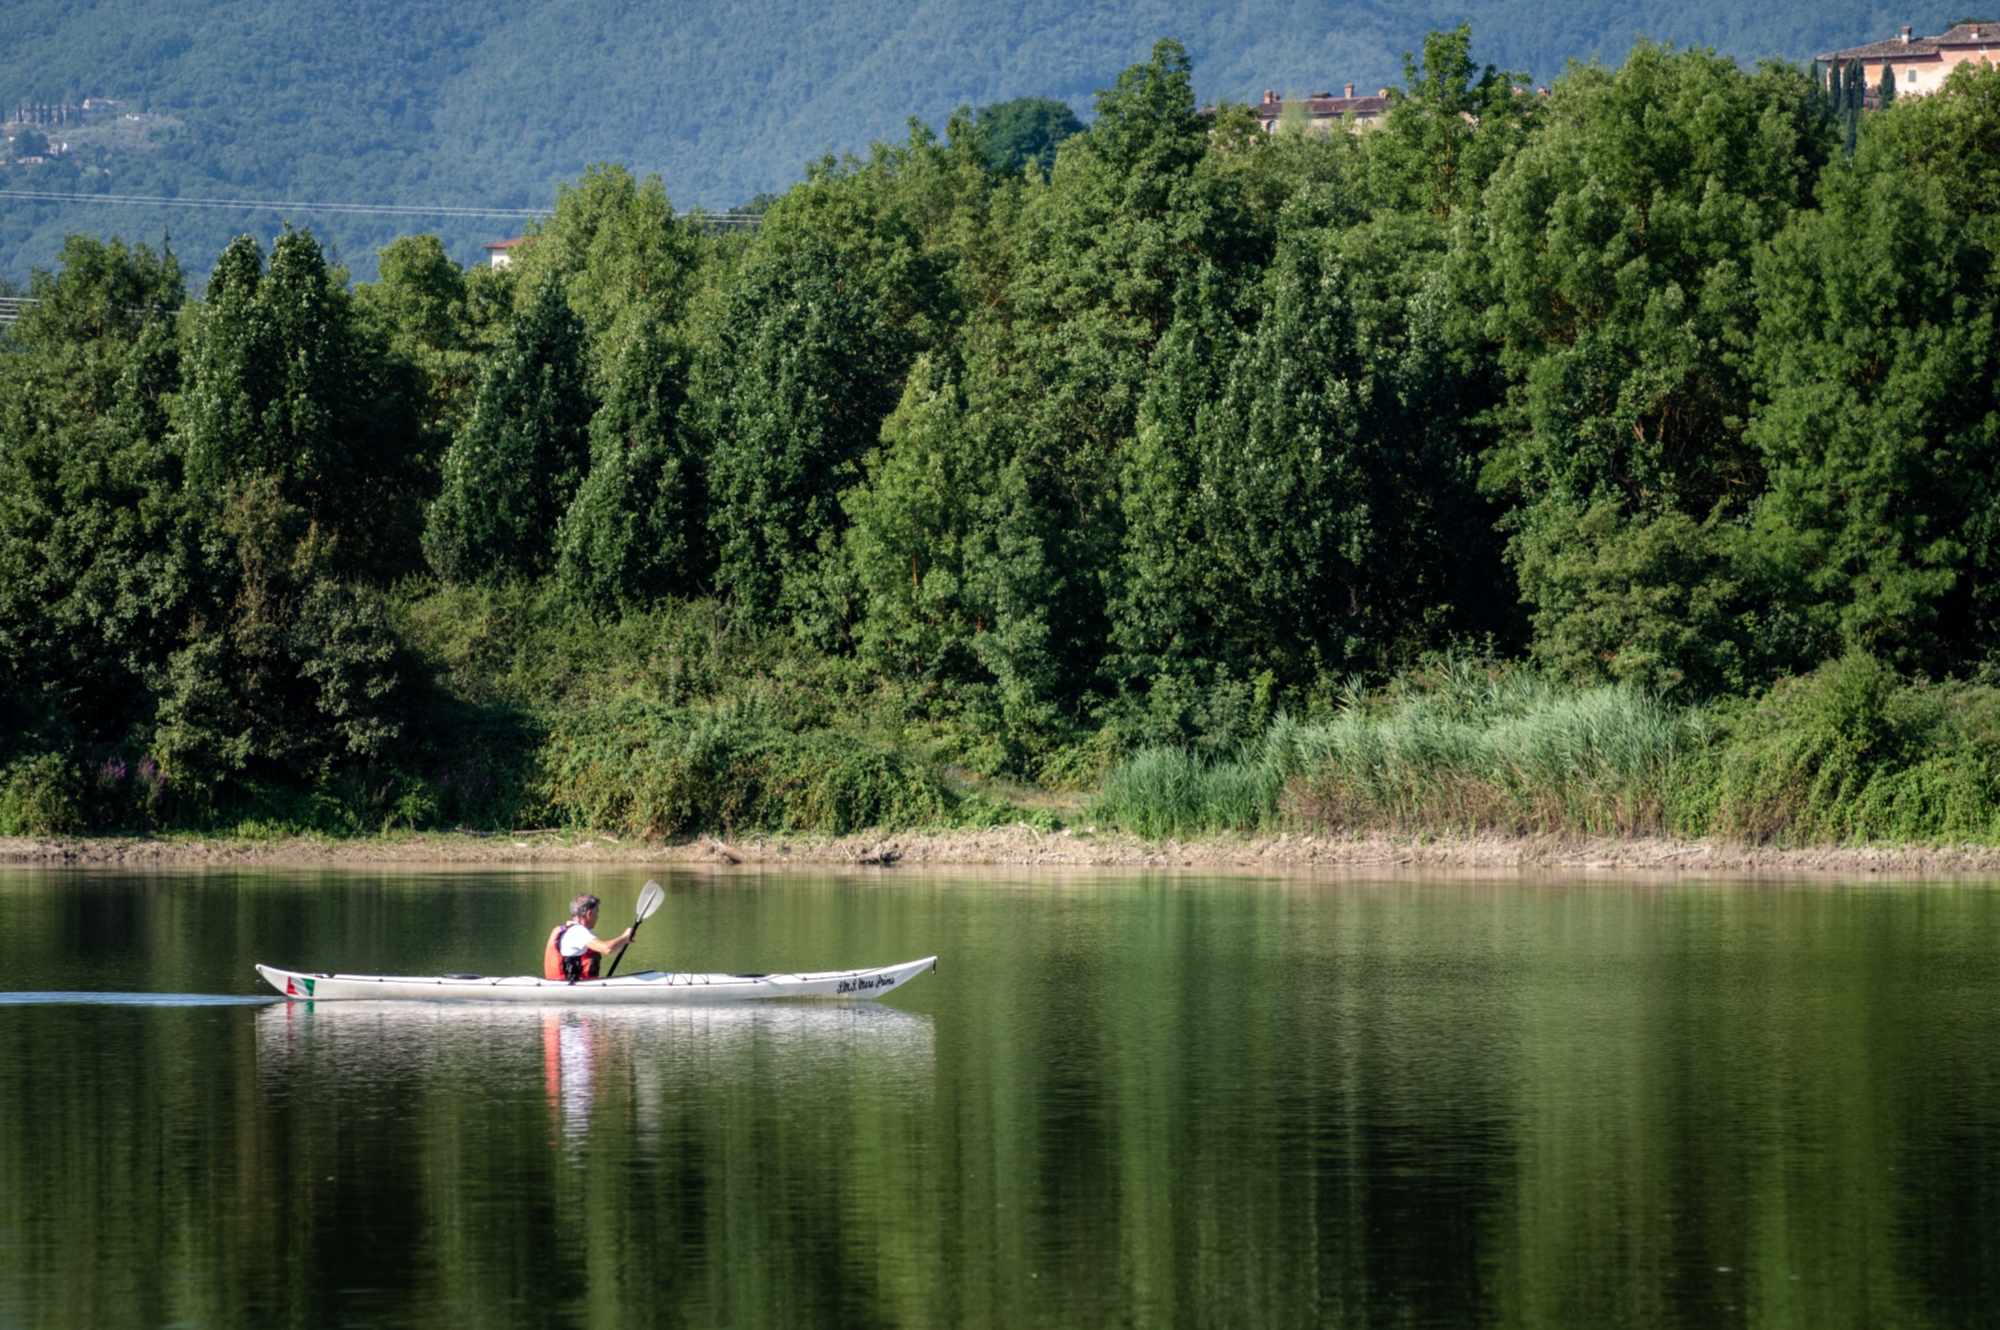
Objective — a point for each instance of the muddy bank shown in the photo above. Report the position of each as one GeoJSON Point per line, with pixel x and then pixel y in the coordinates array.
{"type": "Point", "coordinates": [1024, 846]}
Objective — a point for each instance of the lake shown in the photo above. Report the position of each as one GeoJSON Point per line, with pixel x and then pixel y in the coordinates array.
{"type": "Point", "coordinates": [1122, 1100]}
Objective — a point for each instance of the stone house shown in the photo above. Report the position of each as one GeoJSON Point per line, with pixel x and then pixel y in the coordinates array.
{"type": "Point", "coordinates": [1323, 110]}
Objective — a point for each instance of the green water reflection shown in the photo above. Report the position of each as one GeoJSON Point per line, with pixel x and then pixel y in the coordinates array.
{"type": "Point", "coordinates": [1154, 1101]}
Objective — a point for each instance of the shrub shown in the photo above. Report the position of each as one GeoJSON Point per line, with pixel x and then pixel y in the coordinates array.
{"type": "Point", "coordinates": [649, 769]}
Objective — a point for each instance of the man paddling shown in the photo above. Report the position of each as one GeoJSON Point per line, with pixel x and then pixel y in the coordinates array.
{"type": "Point", "coordinates": [573, 951]}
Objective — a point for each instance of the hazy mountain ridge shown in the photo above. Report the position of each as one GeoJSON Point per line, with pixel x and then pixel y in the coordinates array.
{"type": "Point", "coordinates": [487, 103]}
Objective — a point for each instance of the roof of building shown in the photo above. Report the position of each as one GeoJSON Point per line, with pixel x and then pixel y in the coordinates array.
{"type": "Point", "coordinates": [506, 244]}
{"type": "Point", "coordinates": [1323, 105]}
{"type": "Point", "coordinates": [1965, 34]}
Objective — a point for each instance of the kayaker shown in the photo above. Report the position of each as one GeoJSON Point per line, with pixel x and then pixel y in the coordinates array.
{"type": "Point", "coordinates": [573, 951]}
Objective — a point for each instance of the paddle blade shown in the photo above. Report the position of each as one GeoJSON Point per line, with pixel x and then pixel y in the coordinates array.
{"type": "Point", "coordinates": [651, 898]}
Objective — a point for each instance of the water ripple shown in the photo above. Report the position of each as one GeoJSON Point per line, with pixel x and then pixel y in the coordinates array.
{"type": "Point", "coordinates": [32, 999]}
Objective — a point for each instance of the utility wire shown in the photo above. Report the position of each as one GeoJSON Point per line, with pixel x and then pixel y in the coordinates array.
{"type": "Point", "coordinates": [726, 219]}
{"type": "Point", "coordinates": [165, 201]}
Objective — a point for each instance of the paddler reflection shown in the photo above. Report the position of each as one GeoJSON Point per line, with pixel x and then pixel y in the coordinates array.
{"type": "Point", "coordinates": [569, 1067]}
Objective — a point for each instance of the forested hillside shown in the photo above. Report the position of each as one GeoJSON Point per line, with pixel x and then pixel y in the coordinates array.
{"type": "Point", "coordinates": [1620, 459]}
{"type": "Point", "coordinates": [481, 103]}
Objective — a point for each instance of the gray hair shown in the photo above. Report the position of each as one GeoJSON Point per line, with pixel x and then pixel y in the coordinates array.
{"type": "Point", "coordinates": [583, 905]}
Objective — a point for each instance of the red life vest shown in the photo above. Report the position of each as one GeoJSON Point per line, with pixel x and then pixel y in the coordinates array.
{"type": "Point", "coordinates": [557, 966]}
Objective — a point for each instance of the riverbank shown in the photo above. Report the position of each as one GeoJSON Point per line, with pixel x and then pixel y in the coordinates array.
{"type": "Point", "coordinates": [1023, 846]}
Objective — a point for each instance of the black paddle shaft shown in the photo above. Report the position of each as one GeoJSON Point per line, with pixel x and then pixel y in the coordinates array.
{"type": "Point", "coordinates": [622, 950]}
{"type": "Point", "coordinates": [649, 901]}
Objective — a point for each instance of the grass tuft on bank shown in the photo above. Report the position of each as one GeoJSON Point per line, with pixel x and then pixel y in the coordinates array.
{"type": "Point", "coordinates": [1851, 753]}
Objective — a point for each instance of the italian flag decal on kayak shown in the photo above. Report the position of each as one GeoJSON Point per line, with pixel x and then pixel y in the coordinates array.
{"type": "Point", "coordinates": [298, 986]}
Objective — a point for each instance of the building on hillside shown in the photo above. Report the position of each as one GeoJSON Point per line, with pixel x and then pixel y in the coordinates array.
{"type": "Point", "coordinates": [501, 252]}
{"type": "Point", "coordinates": [1323, 110]}
{"type": "Point", "coordinates": [48, 113]}
{"type": "Point", "coordinates": [1921, 64]}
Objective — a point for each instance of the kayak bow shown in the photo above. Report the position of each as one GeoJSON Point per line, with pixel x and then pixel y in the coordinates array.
{"type": "Point", "coordinates": [652, 986]}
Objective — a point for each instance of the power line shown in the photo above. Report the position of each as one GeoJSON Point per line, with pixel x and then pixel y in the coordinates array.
{"type": "Point", "coordinates": [165, 201]}
{"type": "Point", "coordinates": [726, 220]}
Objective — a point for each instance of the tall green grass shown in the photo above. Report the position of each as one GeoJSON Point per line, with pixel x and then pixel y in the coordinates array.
{"type": "Point", "coordinates": [1513, 753]}
{"type": "Point", "coordinates": [1160, 792]}
{"type": "Point", "coordinates": [1851, 753]}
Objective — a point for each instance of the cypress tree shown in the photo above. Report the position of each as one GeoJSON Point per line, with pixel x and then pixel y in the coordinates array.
{"type": "Point", "coordinates": [1852, 81]}
{"type": "Point", "coordinates": [512, 471]}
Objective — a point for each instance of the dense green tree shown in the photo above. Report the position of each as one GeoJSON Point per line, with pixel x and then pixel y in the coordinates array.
{"type": "Point", "coordinates": [282, 383]}
{"type": "Point", "coordinates": [267, 368]}
{"type": "Point", "coordinates": [101, 562]}
{"type": "Point", "coordinates": [919, 526]}
{"type": "Point", "coordinates": [301, 676]}
{"type": "Point", "coordinates": [1026, 131]}
{"type": "Point", "coordinates": [1162, 613]}
{"type": "Point", "coordinates": [512, 471]}
{"type": "Point", "coordinates": [1616, 245]}
{"type": "Point", "coordinates": [1882, 430]}
{"type": "Point", "coordinates": [803, 373]}
{"type": "Point", "coordinates": [1130, 213]}
{"type": "Point", "coordinates": [918, 222]}
{"type": "Point", "coordinates": [1449, 129]}
{"type": "Point", "coordinates": [635, 531]}
{"type": "Point", "coordinates": [1311, 515]}
{"type": "Point", "coordinates": [439, 317]}
{"type": "Point", "coordinates": [619, 252]}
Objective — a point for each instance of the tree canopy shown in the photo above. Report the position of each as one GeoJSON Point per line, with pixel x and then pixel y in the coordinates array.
{"type": "Point", "coordinates": [1647, 381]}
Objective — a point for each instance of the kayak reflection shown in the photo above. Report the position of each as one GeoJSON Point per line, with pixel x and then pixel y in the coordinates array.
{"type": "Point", "coordinates": [579, 1058]}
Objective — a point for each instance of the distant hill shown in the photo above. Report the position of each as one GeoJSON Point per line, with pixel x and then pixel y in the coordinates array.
{"type": "Point", "coordinates": [480, 102]}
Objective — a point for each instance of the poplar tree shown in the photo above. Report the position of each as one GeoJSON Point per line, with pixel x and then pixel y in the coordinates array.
{"type": "Point", "coordinates": [267, 373]}
{"type": "Point", "coordinates": [303, 454]}
{"type": "Point", "coordinates": [635, 531]}
{"type": "Point", "coordinates": [282, 387]}
{"type": "Point", "coordinates": [512, 471]}
{"type": "Point", "coordinates": [1619, 240]}
{"type": "Point", "coordinates": [801, 378]}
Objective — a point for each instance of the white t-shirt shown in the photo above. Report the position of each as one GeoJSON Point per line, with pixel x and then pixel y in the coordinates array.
{"type": "Point", "coordinates": [575, 939]}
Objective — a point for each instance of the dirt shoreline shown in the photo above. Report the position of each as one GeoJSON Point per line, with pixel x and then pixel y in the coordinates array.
{"type": "Point", "coordinates": [1023, 846]}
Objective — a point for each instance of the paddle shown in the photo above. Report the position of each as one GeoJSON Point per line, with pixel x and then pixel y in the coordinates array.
{"type": "Point", "coordinates": [650, 899]}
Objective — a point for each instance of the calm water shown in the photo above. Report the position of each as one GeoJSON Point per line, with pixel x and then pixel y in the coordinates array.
{"type": "Point", "coordinates": [1148, 1101]}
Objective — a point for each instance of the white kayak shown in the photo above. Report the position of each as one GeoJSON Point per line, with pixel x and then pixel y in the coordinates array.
{"type": "Point", "coordinates": [649, 986]}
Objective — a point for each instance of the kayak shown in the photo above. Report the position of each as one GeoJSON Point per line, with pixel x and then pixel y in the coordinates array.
{"type": "Point", "coordinates": [649, 986]}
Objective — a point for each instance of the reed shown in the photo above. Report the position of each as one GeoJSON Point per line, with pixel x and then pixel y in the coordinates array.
{"type": "Point", "coordinates": [1851, 753]}
{"type": "Point", "coordinates": [1511, 753]}
{"type": "Point", "coordinates": [1523, 757]}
